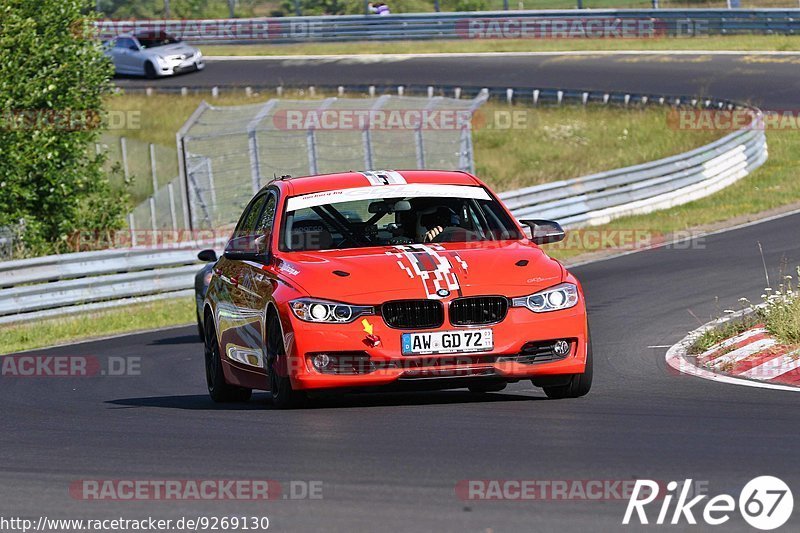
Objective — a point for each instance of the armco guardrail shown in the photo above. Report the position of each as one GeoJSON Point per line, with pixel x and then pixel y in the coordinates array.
{"type": "Point", "coordinates": [42, 287]}
{"type": "Point", "coordinates": [676, 180]}
{"type": "Point", "coordinates": [644, 23]}
{"type": "Point", "coordinates": [54, 285]}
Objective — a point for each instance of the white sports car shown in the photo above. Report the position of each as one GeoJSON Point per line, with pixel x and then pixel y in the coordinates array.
{"type": "Point", "coordinates": [152, 55]}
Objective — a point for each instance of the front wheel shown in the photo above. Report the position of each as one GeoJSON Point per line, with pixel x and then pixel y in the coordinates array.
{"type": "Point", "coordinates": [149, 70]}
{"type": "Point", "coordinates": [283, 395]}
{"type": "Point", "coordinates": [579, 385]}
{"type": "Point", "coordinates": [219, 390]}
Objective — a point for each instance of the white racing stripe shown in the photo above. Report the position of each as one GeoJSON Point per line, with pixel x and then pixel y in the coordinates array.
{"type": "Point", "coordinates": [386, 191]}
{"type": "Point", "coordinates": [384, 177]}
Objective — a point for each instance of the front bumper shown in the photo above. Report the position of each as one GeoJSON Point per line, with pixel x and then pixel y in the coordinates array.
{"type": "Point", "coordinates": [169, 67]}
{"type": "Point", "coordinates": [387, 365]}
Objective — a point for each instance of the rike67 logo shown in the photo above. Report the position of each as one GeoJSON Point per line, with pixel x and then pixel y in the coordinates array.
{"type": "Point", "coordinates": [766, 503]}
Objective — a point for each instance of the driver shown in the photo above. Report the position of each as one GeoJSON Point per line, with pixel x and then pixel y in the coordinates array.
{"type": "Point", "coordinates": [437, 221]}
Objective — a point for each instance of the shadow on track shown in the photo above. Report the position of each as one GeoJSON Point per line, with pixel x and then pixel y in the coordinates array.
{"type": "Point", "coordinates": [182, 339]}
{"type": "Point", "coordinates": [201, 402]}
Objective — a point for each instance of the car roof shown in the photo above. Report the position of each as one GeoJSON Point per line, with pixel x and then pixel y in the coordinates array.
{"type": "Point", "coordinates": [352, 180]}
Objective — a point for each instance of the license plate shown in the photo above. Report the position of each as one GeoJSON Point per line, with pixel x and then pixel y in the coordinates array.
{"type": "Point", "coordinates": [473, 340]}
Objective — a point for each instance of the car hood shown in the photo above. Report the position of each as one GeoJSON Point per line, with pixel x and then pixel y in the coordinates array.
{"type": "Point", "coordinates": [171, 50]}
{"type": "Point", "coordinates": [373, 275]}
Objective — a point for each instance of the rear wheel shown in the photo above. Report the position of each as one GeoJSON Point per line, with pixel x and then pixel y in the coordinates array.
{"type": "Point", "coordinates": [218, 389]}
{"type": "Point", "coordinates": [200, 330]}
{"type": "Point", "coordinates": [149, 70]}
{"type": "Point", "coordinates": [283, 395]}
{"type": "Point", "coordinates": [579, 385]}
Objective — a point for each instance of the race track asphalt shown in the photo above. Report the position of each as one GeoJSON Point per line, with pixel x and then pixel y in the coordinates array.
{"type": "Point", "coordinates": [771, 81]}
{"type": "Point", "coordinates": [391, 462]}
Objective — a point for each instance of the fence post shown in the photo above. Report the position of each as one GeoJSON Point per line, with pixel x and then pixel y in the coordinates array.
{"type": "Point", "coordinates": [311, 139]}
{"type": "Point", "coordinates": [153, 172]}
{"type": "Point", "coordinates": [132, 227]}
{"type": "Point", "coordinates": [183, 176]}
{"type": "Point", "coordinates": [465, 156]}
{"type": "Point", "coordinates": [419, 140]}
{"type": "Point", "coordinates": [252, 144]}
{"type": "Point", "coordinates": [172, 214]}
{"type": "Point", "coordinates": [153, 221]}
{"type": "Point", "coordinates": [123, 146]}
{"type": "Point", "coordinates": [213, 188]}
{"type": "Point", "coordinates": [366, 133]}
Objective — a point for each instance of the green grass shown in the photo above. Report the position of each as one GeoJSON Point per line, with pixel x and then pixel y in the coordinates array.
{"type": "Point", "coordinates": [716, 335]}
{"type": "Point", "coordinates": [559, 143]}
{"type": "Point", "coordinates": [771, 186]}
{"type": "Point", "coordinates": [781, 312]}
{"type": "Point", "coordinates": [736, 42]}
{"type": "Point", "coordinates": [571, 141]}
{"type": "Point", "coordinates": [136, 317]}
{"type": "Point", "coordinates": [545, 144]}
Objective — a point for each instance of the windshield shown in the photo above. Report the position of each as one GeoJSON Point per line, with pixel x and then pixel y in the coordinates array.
{"type": "Point", "coordinates": [154, 41]}
{"type": "Point", "coordinates": [312, 224]}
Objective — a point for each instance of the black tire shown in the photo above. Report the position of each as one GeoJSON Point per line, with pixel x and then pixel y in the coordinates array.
{"type": "Point", "coordinates": [488, 386]}
{"type": "Point", "coordinates": [579, 385]}
{"type": "Point", "coordinates": [149, 70]}
{"type": "Point", "coordinates": [200, 330]}
{"type": "Point", "coordinates": [283, 395]}
{"type": "Point", "coordinates": [219, 390]}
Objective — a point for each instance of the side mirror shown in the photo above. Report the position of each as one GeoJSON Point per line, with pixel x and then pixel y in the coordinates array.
{"type": "Point", "coordinates": [249, 248]}
{"type": "Point", "coordinates": [545, 231]}
{"type": "Point", "coordinates": [209, 256]}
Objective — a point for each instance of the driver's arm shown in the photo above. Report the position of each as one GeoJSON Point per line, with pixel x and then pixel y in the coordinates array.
{"type": "Point", "coordinates": [432, 233]}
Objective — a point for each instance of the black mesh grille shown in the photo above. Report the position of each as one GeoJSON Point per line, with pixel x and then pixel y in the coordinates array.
{"type": "Point", "coordinates": [539, 352]}
{"type": "Point", "coordinates": [478, 310]}
{"type": "Point", "coordinates": [413, 314]}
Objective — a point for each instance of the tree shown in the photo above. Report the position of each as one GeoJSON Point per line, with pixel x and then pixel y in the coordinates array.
{"type": "Point", "coordinates": [53, 78]}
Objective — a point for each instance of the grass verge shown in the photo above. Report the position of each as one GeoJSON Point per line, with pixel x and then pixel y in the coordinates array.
{"type": "Point", "coordinates": [783, 43]}
{"type": "Point", "coordinates": [510, 158]}
{"type": "Point", "coordinates": [135, 317]}
{"type": "Point", "coordinates": [772, 186]}
{"type": "Point", "coordinates": [716, 335]}
{"type": "Point", "coordinates": [779, 313]}
{"type": "Point", "coordinates": [515, 146]}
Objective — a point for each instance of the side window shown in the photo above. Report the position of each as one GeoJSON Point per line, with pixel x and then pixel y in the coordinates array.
{"type": "Point", "coordinates": [247, 224]}
{"type": "Point", "coordinates": [264, 226]}
{"type": "Point", "coordinates": [124, 42]}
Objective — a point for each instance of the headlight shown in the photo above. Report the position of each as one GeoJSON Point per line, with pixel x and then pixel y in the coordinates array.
{"type": "Point", "coordinates": [312, 310]}
{"type": "Point", "coordinates": [561, 296]}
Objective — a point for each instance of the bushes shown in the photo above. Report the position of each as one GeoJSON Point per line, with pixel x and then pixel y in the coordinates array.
{"type": "Point", "coordinates": [53, 77]}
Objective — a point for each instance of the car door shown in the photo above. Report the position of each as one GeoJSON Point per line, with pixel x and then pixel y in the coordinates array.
{"type": "Point", "coordinates": [255, 284]}
{"type": "Point", "coordinates": [239, 320]}
{"type": "Point", "coordinates": [127, 57]}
